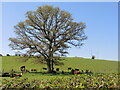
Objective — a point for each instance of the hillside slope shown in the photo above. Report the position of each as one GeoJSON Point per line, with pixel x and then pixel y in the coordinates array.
{"type": "Point", "coordinates": [99, 66]}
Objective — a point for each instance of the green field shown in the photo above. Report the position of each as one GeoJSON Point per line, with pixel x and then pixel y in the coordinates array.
{"type": "Point", "coordinates": [104, 74]}
{"type": "Point", "coordinates": [97, 66]}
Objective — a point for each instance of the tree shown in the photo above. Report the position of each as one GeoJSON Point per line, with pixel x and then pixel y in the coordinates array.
{"type": "Point", "coordinates": [93, 57]}
{"type": "Point", "coordinates": [7, 54]}
{"type": "Point", "coordinates": [48, 31]}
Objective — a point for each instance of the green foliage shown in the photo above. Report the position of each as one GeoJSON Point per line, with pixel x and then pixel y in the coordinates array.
{"type": "Point", "coordinates": [98, 81]}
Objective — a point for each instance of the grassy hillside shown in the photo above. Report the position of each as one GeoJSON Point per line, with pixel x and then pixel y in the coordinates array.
{"type": "Point", "coordinates": [99, 66]}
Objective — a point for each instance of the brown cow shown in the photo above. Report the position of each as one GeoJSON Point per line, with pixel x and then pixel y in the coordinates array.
{"type": "Point", "coordinates": [34, 70]}
{"type": "Point", "coordinates": [76, 72]}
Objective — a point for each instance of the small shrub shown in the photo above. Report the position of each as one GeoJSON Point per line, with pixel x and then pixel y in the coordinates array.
{"type": "Point", "coordinates": [17, 54]}
{"type": "Point", "coordinates": [7, 54]}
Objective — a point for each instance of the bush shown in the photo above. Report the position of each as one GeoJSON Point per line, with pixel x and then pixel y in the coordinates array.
{"type": "Point", "coordinates": [17, 54]}
{"type": "Point", "coordinates": [93, 57]}
{"type": "Point", "coordinates": [98, 81]}
{"type": "Point", "coordinates": [7, 54]}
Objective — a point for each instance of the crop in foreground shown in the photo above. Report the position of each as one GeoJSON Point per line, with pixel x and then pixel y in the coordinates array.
{"type": "Point", "coordinates": [77, 81]}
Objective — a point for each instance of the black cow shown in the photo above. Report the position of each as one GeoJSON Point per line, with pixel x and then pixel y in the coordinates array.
{"type": "Point", "coordinates": [5, 75]}
{"type": "Point", "coordinates": [57, 69]}
{"type": "Point", "coordinates": [44, 68]}
{"type": "Point", "coordinates": [77, 69]}
{"type": "Point", "coordinates": [22, 68]}
{"type": "Point", "coordinates": [69, 68]}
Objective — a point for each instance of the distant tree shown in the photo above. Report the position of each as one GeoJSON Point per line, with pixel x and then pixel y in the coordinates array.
{"type": "Point", "coordinates": [93, 57]}
{"type": "Point", "coordinates": [48, 31]}
{"type": "Point", "coordinates": [0, 54]}
{"type": "Point", "coordinates": [17, 55]}
{"type": "Point", "coordinates": [7, 54]}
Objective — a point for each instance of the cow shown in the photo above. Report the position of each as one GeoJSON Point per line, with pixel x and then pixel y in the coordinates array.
{"type": "Point", "coordinates": [22, 68]}
{"type": "Point", "coordinates": [34, 70]}
{"type": "Point", "coordinates": [16, 75]}
{"type": "Point", "coordinates": [69, 68]}
{"type": "Point", "coordinates": [57, 69]}
{"type": "Point", "coordinates": [44, 68]}
{"type": "Point", "coordinates": [76, 72]}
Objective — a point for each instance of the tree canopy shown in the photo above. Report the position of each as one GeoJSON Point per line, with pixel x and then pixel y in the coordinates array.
{"type": "Point", "coordinates": [49, 32]}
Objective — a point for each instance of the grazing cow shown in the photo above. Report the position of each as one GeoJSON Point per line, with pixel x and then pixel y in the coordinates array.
{"type": "Point", "coordinates": [90, 72]}
{"type": "Point", "coordinates": [22, 68]}
{"type": "Point", "coordinates": [57, 69]}
{"type": "Point", "coordinates": [87, 71]}
{"type": "Point", "coordinates": [34, 70]}
{"type": "Point", "coordinates": [77, 69]}
{"type": "Point", "coordinates": [76, 72]}
{"type": "Point", "coordinates": [44, 68]}
{"type": "Point", "coordinates": [27, 70]}
{"type": "Point", "coordinates": [5, 75]}
{"type": "Point", "coordinates": [69, 68]}
{"type": "Point", "coordinates": [16, 75]}
{"type": "Point", "coordinates": [62, 72]}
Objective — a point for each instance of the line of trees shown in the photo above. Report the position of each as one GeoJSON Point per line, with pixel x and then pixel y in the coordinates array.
{"type": "Point", "coordinates": [6, 55]}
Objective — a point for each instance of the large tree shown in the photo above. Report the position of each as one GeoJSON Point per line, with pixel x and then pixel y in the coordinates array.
{"type": "Point", "coordinates": [48, 31]}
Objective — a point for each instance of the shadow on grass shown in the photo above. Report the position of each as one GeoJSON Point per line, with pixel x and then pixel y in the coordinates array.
{"type": "Point", "coordinates": [61, 73]}
{"type": "Point", "coordinates": [57, 73]}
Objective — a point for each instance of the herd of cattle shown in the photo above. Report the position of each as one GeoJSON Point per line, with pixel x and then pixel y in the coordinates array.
{"type": "Point", "coordinates": [23, 70]}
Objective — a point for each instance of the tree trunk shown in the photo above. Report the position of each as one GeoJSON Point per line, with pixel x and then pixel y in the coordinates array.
{"type": "Point", "coordinates": [52, 66]}
{"type": "Point", "coordinates": [49, 67]}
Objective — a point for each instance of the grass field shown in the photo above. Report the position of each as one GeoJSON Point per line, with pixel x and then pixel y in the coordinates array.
{"type": "Point", "coordinates": [104, 73]}
{"type": "Point", "coordinates": [97, 66]}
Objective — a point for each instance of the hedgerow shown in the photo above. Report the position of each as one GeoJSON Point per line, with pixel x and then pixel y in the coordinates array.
{"type": "Point", "coordinates": [85, 81]}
